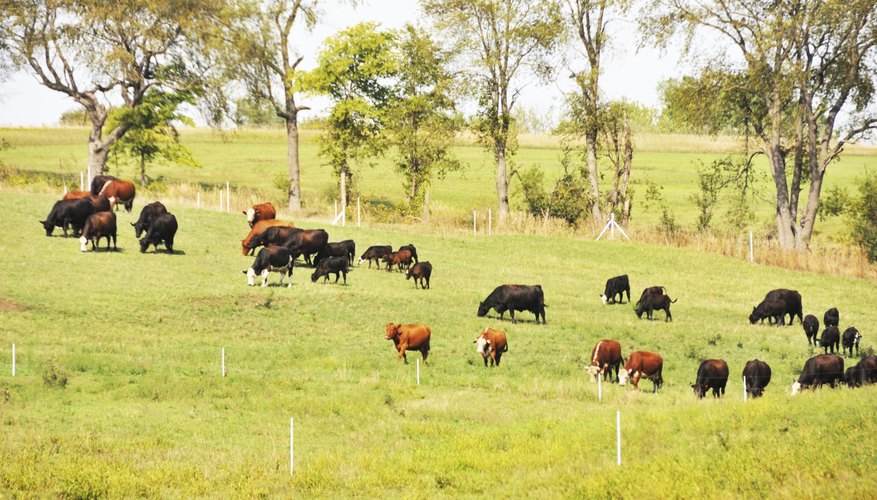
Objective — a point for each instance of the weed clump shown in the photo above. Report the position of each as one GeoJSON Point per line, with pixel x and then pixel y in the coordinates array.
{"type": "Point", "coordinates": [55, 375]}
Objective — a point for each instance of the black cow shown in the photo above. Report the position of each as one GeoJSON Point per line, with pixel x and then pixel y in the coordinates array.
{"type": "Point", "coordinates": [410, 248]}
{"type": "Point", "coordinates": [818, 370]}
{"type": "Point", "coordinates": [298, 241]}
{"type": "Point", "coordinates": [865, 372]}
{"type": "Point", "coordinates": [99, 225]}
{"type": "Point", "coordinates": [850, 339]}
{"type": "Point", "coordinates": [831, 317]}
{"type": "Point", "coordinates": [830, 339]}
{"type": "Point", "coordinates": [773, 310]}
{"type": "Point", "coordinates": [97, 183]}
{"type": "Point", "coordinates": [351, 250]}
{"type": "Point", "coordinates": [65, 213]}
{"type": "Point", "coordinates": [652, 290]}
{"type": "Point", "coordinates": [711, 374]}
{"type": "Point", "coordinates": [147, 215]}
{"type": "Point", "coordinates": [282, 236]}
{"type": "Point", "coordinates": [756, 376]}
{"type": "Point", "coordinates": [420, 271]}
{"type": "Point", "coordinates": [375, 253]}
{"type": "Point", "coordinates": [616, 286]}
{"type": "Point", "coordinates": [514, 298]}
{"type": "Point", "coordinates": [651, 303]}
{"type": "Point", "coordinates": [811, 328]}
{"type": "Point", "coordinates": [271, 259]}
{"type": "Point", "coordinates": [346, 248]}
{"type": "Point", "coordinates": [791, 300]}
{"type": "Point", "coordinates": [162, 230]}
{"type": "Point", "coordinates": [331, 265]}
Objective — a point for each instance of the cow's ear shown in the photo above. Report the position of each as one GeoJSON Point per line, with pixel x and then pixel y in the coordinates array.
{"type": "Point", "coordinates": [43, 222]}
{"type": "Point", "coordinates": [245, 272]}
{"type": "Point", "coordinates": [244, 212]}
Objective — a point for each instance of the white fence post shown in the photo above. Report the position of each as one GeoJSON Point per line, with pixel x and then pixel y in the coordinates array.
{"type": "Point", "coordinates": [600, 387]}
{"type": "Point", "coordinates": [81, 181]}
{"type": "Point", "coordinates": [13, 360]}
{"type": "Point", "coordinates": [291, 445]}
{"type": "Point", "coordinates": [744, 388]}
{"type": "Point", "coordinates": [223, 362]}
{"type": "Point", "coordinates": [227, 197]}
{"type": "Point", "coordinates": [418, 372]}
{"type": "Point", "coordinates": [618, 435]}
{"type": "Point", "coordinates": [358, 213]}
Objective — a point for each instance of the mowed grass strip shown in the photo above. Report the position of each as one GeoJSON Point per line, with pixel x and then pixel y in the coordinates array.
{"type": "Point", "coordinates": [146, 413]}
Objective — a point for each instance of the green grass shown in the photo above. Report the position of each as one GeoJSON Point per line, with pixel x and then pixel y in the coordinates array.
{"type": "Point", "coordinates": [146, 413]}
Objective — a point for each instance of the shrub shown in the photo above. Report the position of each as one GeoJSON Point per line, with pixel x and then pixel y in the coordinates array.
{"type": "Point", "coordinates": [863, 214]}
{"type": "Point", "coordinates": [55, 374]}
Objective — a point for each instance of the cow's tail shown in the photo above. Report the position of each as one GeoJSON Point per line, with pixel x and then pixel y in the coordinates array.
{"type": "Point", "coordinates": [674, 300]}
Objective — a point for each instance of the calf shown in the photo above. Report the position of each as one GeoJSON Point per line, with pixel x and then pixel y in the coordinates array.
{"type": "Point", "coordinates": [818, 370]}
{"type": "Point", "coordinates": [410, 337]}
{"type": "Point", "coordinates": [66, 213]}
{"type": "Point", "coordinates": [492, 343]}
{"type": "Point", "coordinates": [811, 328]}
{"type": "Point", "coordinates": [652, 290]}
{"type": "Point", "coordinates": [605, 357]}
{"type": "Point", "coordinates": [400, 258]}
{"type": "Point", "coordinates": [616, 286]}
{"type": "Point", "coordinates": [774, 311]}
{"type": "Point", "coordinates": [711, 374]}
{"type": "Point", "coordinates": [271, 259]}
{"type": "Point", "coordinates": [782, 302]}
{"type": "Point", "coordinates": [162, 230]}
{"type": "Point", "coordinates": [420, 272]}
{"type": "Point", "coordinates": [331, 265]}
{"type": "Point", "coordinates": [831, 317]}
{"type": "Point", "coordinates": [830, 339]}
{"type": "Point", "coordinates": [851, 338]}
{"type": "Point", "coordinates": [756, 376]}
{"type": "Point", "coordinates": [376, 254]}
{"type": "Point", "coordinates": [99, 225]}
{"type": "Point", "coordinates": [650, 303]}
{"type": "Point", "coordinates": [262, 211]}
{"type": "Point", "coordinates": [346, 249]}
{"type": "Point", "coordinates": [643, 364]}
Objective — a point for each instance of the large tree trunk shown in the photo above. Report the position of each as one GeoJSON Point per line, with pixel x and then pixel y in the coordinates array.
{"type": "Point", "coordinates": [97, 149]}
{"type": "Point", "coordinates": [593, 177]}
{"type": "Point", "coordinates": [294, 194]}
{"type": "Point", "coordinates": [502, 182]}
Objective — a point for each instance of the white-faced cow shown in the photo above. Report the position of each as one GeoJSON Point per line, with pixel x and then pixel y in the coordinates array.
{"type": "Point", "coordinates": [851, 338]}
{"type": "Point", "coordinates": [643, 364]}
{"type": "Point", "coordinates": [262, 211]}
{"type": "Point", "coordinates": [492, 343]}
{"type": "Point", "coordinates": [271, 259]}
{"type": "Point", "coordinates": [605, 357]}
{"type": "Point", "coordinates": [514, 298]}
{"type": "Point", "coordinates": [616, 286]}
{"type": "Point", "coordinates": [99, 225]}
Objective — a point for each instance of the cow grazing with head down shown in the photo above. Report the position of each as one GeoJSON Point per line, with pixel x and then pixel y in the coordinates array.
{"type": "Point", "coordinates": [259, 228]}
{"type": "Point", "coordinates": [711, 374]}
{"type": "Point", "coordinates": [830, 339]}
{"type": "Point", "coordinates": [271, 259]}
{"type": "Point", "coordinates": [651, 303]}
{"type": "Point", "coordinates": [163, 229]}
{"type": "Point", "coordinates": [420, 272]}
{"type": "Point", "coordinates": [331, 265]}
{"type": "Point", "coordinates": [818, 370]}
{"type": "Point", "coordinates": [97, 183]}
{"type": "Point", "coordinates": [756, 376]}
{"type": "Point", "coordinates": [147, 214]}
{"type": "Point", "coordinates": [616, 286]}
{"type": "Point", "coordinates": [789, 301]}
{"type": "Point", "coordinates": [605, 357]}
{"type": "Point", "coordinates": [850, 339]}
{"type": "Point", "coordinates": [864, 373]}
{"type": "Point", "coordinates": [643, 364]}
{"type": "Point", "coordinates": [409, 337]}
{"type": "Point", "coordinates": [262, 211]}
{"type": "Point", "coordinates": [652, 290]}
{"type": "Point", "coordinates": [66, 213]}
{"type": "Point", "coordinates": [811, 328]}
{"type": "Point", "coordinates": [101, 203]}
{"type": "Point", "coordinates": [298, 241]}
{"type": "Point", "coordinates": [492, 343]}
{"type": "Point", "coordinates": [375, 253]}
{"type": "Point", "coordinates": [119, 191]}
{"type": "Point", "coordinates": [400, 259]}
{"type": "Point", "coordinates": [99, 225]}
{"type": "Point", "coordinates": [514, 298]}
{"type": "Point", "coordinates": [774, 311]}
{"type": "Point", "coordinates": [831, 317]}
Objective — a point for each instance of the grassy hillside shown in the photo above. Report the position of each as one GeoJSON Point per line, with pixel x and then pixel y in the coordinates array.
{"type": "Point", "coordinates": [146, 413]}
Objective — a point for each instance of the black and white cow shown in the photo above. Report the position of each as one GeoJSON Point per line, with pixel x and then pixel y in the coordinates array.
{"type": "Point", "coordinates": [850, 339]}
{"type": "Point", "coordinates": [272, 258]}
{"type": "Point", "coordinates": [616, 286]}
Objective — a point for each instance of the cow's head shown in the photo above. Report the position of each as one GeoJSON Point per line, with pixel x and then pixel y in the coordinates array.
{"type": "Point", "coordinates": [482, 309]}
{"type": "Point", "coordinates": [593, 370]}
{"type": "Point", "coordinates": [756, 392]}
{"type": "Point", "coordinates": [138, 228]}
{"type": "Point", "coordinates": [83, 243]}
{"type": "Point", "coordinates": [251, 276]}
{"type": "Point", "coordinates": [251, 215]}
{"type": "Point", "coordinates": [48, 226]}
{"type": "Point", "coordinates": [258, 240]}
{"type": "Point", "coordinates": [144, 244]}
{"type": "Point", "coordinates": [699, 390]}
{"type": "Point", "coordinates": [408, 273]}
{"type": "Point", "coordinates": [604, 298]}
{"type": "Point", "coordinates": [392, 331]}
{"type": "Point", "coordinates": [623, 375]}
{"type": "Point", "coordinates": [796, 388]}
{"type": "Point", "coordinates": [754, 316]}
{"type": "Point", "coordinates": [639, 311]}
{"type": "Point", "coordinates": [482, 344]}
{"type": "Point", "coordinates": [315, 276]}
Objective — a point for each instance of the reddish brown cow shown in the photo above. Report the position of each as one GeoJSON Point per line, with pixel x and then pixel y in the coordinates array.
{"type": "Point", "coordinates": [605, 356]}
{"type": "Point", "coordinates": [643, 364]}
{"type": "Point", "coordinates": [410, 337]}
{"type": "Point", "coordinates": [400, 258]}
{"type": "Point", "coordinates": [492, 343]}
{"type": "Point", "coordinates": [99, 225]}
{"type": "Point", "coordinates": [259, 228]}
{"type": "Point", "coordinates": [101, 203]}
{"type": "Point", "coordinates": [119, 191]}
{"type": "Point", "coordinates": [262, 211]}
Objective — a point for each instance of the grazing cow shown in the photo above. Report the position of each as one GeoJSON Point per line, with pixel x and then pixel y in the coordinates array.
{"type": "Point", "coordinates": [830, 339]}
{"type": "Point", "coordinates": [346, 249]}
{"type": "Point", "coordinates": [756, 376]}
{"type": "Point", "coordinates": [652, 290]}
{"type": "Point", "coordinates": [711, 374]}
{"type": "Point", "coordinates": [351, 250]}
{"type": "Point", "coordinates": [147, 215]}
{"type": "Point", "coordinates": [811, 328]}
{"type": "Point", "coordinates": [410, 248]}
{"type": "Point", "coordinates": [99, 225]}
{"type": "Point", "coordinates": [773, 310]}
{"type": "Point", "coordinates": [162, 229]}
{"type": "Point", "coordinates": [119, 191]}
{"type": "Point", "coordinates": [401, 259]}
{"type": "Point", "coordinates": [375, 253]}
{"type": "Point", "coordinates": [492, 343]}
{"type": "Point", "coordinates": [97, 183]}
{"type": "Point", "coordinates": [831, 317]}
{"type": "Point", "coordinates": [298, 241]}
{"type": "Point", "coordinates": [616, 286]}
{"type": "Point", "coordinates": [259, 228]}
{"type": "Point", "coordinates": [643, 364]}
{"type": "Point", "coordinates": [331, 265]}
{"type": "Point", "coordinates": [605, 357]}
{"type": "Point", "coordinates": [65, 213]}
{"type": "Point", "coordinates": [851, 338]}
{"type": "Point", "coordinates": [410, 337]}
{"type": "Point", "coordinates": [818, 370]}
{"type": "Point", "coordinates": [271, 259]}
{"type": "Point", "coordinates": [851, 378]}
{"type": "Point", "coordinates": [101, 203]}
{"type": "Point", "coordinates": [650, 303]}
{"type": "Point", "coordinates": [865, 372]}
{"type": "Point", "coordinates": [514, 298]}
{"type": "Point", "coordinates": [262, 211]}
{"type": "Point", "coordinates": [791, 300]}
{"type": "Point", "coordinates": [420, 272]}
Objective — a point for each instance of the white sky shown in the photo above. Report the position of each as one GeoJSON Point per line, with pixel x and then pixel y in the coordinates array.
{"type": "Point", "coordinates": [627, 73]}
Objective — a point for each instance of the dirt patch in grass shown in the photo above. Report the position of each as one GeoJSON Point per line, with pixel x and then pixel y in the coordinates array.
{"type": "Point", "coordinates": [7, 305]}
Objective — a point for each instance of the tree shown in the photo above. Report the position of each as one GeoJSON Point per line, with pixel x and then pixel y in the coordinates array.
{"type": "Point", "coordinates": [352, 70]}
{"type": "Point", "coordinates": [863, 215]}
{"type": "Point", "coordinates": [500, 43]}
{"type": "Point", "coordinates": [804, 64]}
{"type": "Point", "coordinates": [420, 118]}
{"type": "Point", "coordinates": [249, 112]}
{"type": "Point", "coordinates": [94, 50]}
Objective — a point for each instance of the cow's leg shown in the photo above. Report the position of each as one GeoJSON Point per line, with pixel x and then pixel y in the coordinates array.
{"type": "Point", "coordinates": [265, 278]}
{"type": "Point", "coordinates": [345, 277]}
{"type": "Point", "coordinates": [424, 351]}
{"type": "Point", "coordinates": [669, 316]}
{"type": "Point", "coordinates": [498, 357]}
{"type": "Point", "coordinates": [512, 314]}
{"type": "Point", "coordinates": [485, 360]}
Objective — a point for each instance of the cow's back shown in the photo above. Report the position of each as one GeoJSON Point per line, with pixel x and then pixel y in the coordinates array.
{"type": "Point", "coordinates": [417, 334]}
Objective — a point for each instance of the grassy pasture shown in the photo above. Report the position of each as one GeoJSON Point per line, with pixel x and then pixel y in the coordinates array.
{"type": "Point", "coordinates": [146, 413]}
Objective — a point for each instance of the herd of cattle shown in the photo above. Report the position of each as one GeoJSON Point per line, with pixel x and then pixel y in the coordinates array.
{"type": "Point", "coordinates": [90, 215]}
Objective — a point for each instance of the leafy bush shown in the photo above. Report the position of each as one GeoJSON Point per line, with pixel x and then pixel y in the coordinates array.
{"type": "Point", "coordinates": [55, 374]}
{"type": "Point", "coordinates": [863, 214]}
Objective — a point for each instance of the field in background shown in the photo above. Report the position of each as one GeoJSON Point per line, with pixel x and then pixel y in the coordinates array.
{"type": "Point", "coordinates": [146, 413]}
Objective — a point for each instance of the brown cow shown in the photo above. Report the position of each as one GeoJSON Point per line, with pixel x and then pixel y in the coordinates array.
{"type": "Point", "coordinates": [642, 363]}
{"type": "Point", "coordinates": [400, 258]}
{"type": "Point", "coordinates": [98, 225]}
{"type": "Point", "coordinates": [101, 203]}
{"type": "Point", "coordinates": [257, 229]}
{"type": "Point", "coordinates": [413, 337]}
{"type": "Point", "coordinates": [119, 191]}
{"type": "Point", "coordinates": [491, 344]}
{"type": "Point", "coordinates": [605, 356]}
{"type": "Point", "coordinates": [262, 211]}
{"type": "Point", "coordinates": [711, 374]}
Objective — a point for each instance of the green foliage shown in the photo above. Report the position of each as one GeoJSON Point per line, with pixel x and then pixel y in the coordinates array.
{"type": "Point", "coordinates": [55, 375]}
{"type": "Point", "coordinates": [250, 112]}
{"type": "Point", "coordinates": [863, 215]}
{"type": "Point", "coordinates": [567, 200]}
{"type": "Point", "coordinates": [75, 117]}
{"type": "Point", "coordinates": [836, 202]}
{"type": "Point", "coordinates": [655, 199]}
{"type": "Point", "coordinates": [715, 101]}
{"type": "Point", "coordinates": [725, 174]}
{"type": "Point", "coordinates": [532, 188]}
